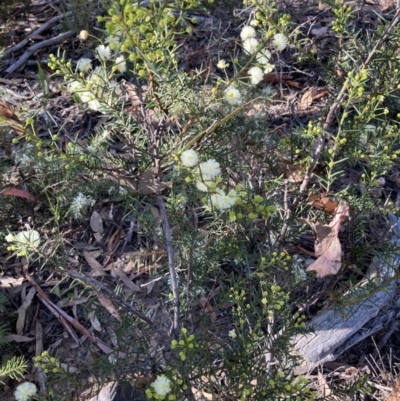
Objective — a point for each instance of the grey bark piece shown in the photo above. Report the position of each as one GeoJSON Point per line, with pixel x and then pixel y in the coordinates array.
{"type": "Point", "coordinates": [336, 330]}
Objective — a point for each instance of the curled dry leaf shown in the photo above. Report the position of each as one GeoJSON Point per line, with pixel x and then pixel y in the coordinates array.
{"type": "Point", "coordinates": [146, 183]}
{"type": "Point", "coordinates": [10, 119]}
{"type": "Point", "coordinates": [327, 244]}
{"type": "Point", "coordinates": [308, 97]}
{"type": "Point", "coordinates": [97, 268]}
{"type": "Point", "coordinates": [323, 202]}
{"type": "Point", "coordinates": [109, 306]}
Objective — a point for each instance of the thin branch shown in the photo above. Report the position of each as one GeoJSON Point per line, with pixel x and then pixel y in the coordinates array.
{"type": "Point", "coordinates": [171, 263]}
{"type": "Point", "coordinates": [24, 58]}
{"type": "Point", "coordinates": [94, 283]}
{"type": "Point", "coordinates": [45, 26]}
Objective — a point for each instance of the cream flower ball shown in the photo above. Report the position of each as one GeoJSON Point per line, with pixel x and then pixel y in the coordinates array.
{"type": "Point", "coordinates": [189, 158]}
{"type": "Point", "coordinates": [256, 75]}
{"type": "Point", "coordinates": [250, 45]}
{"type": "Point", "coordinates": [232, 96]}
{"type": "Point", "coordinates": [25, 391]}
{"type": "Point", "coordinates": [247, 32]}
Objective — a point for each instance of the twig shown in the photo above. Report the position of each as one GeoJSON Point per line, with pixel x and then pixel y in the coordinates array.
{"type": "Point", "coordinates": [24, 58]}
{"type": "Point", "coordinates": [171, 263]}
{"type": "Point", "coordinates": [94, 283]}
{"type": "Point", "coordinates": [45, 26]}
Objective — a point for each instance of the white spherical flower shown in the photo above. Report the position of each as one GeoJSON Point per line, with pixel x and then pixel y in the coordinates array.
{"type": "Point", "coordinates": [103, 52]}
{"type": "Point", "coordinates": [250, 45]}
{"type": "Point", "coordinates": [29, 237]}
{"type": "Point", "coordinates": [264, 56]}
{"type": "Point", "coordinates": [25, 391]}
{"type": "Point", "coordinates": [247, 32]}
{"type": "Point", "coordinates": [189, 158]}
{"type": "Point", "coordinates": [256, 75]}
{"type": "Point", "coordinates": [280, 42]}
{"type": "Point", "coordinates": [204, 186]}
{"type": "Point", "coordinates": [84, 64]}
{"type": "Point", "coordinates": [98, 76]}
{"type": "Point", "coordinates": [75, 86]}
{"type": "Point", "coordinates": [222, 200]}
{"type": "Point", "coordinates": [86, 96]}
{"type": "Point", "coordinates": [10, 238]}
{"type": "Point", "coordinates": [120, 64]}
{"type": "Point", "coordinates": [232, 96]}
{"type": "Point", "coordinates": [232, 333]}
{"type": "Point", "coordinates": [222, 64]}
{"type": "Point", "coordinates": [113, 40]}
{"type": "Point", "coordinates": [209, 169]}
{"type": "Point", "coordinates": [162, 385]}
{"type": "Point", "coordinates": [268, 68]}
{"type": "Point", "coordinates": [114, 87]}
{"type": "Point", "coordinates": [94, 105]}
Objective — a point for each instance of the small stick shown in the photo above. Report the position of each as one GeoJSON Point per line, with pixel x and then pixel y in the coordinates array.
{"type": "Point", "coordinates": [171, 263]}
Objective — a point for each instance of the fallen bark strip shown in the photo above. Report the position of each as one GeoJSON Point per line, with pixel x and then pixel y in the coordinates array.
{"type": "Point", "coordinates": [336, 330]}
{"type": "Point", "coordinates": [24, 58]}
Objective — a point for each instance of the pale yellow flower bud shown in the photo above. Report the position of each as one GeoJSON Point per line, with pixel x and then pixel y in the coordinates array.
{"type": "Point", "coordinates": [83, 35]}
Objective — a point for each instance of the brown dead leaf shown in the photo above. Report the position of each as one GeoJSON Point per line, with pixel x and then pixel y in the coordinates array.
{"type": "Point", "coordinates": [109, 306]}
{"type": "Point", "coordinates": [94, 321]}
{"type": "Point", "coordinates": [308, 97]}
{"type": "Point", "coordinates": [96, 222]}
{"type": "Point", "coordinates": [8, 282]}
{"type": "Point", "coordinates": [323, 202]}
{"type": "Point", "coordinates": [323, 388]}
{"type": "Point", "coordinates": [292, 172]}
{"type": "Point", "coordinates": [273, 78]}
{"type": "Point", "coordinates": [146, 183]}
{"type": "Point", "coordinates": [327, 245]}
{"type": "Point", "coordinates": [207, 308]}
{"type": "Point", "coordinates": [97, 268]}
{"type": "Point", "coordinates": [19, 193]}
{"type": "Point", "coordinates": [19, 339]}
{"type": "Point", "coordinates": [9, 118]}
{"type": "Point", "coordinates": [117, 272]}
{"type": "Point", "coordinates": [395, 394]}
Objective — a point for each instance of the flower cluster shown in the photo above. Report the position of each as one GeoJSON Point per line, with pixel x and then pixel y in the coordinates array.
{"type": "Point", "coordinates": [184, 344]}
{"type": "Point", "coordinates": [25, 391]}
{"type": "Point", "coordinates": [98, 91]}
{"type": "Point", "coordinates": [80, 204]}
{"type": "Point", "coordinates": [206, 174]}
{"type": "Point", "coordinates": [24, 242]}
{"type": "Point", "coordinates": [251, 45]}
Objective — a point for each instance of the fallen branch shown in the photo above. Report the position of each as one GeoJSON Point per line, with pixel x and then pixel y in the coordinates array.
{"type": "Point", "coordinates": [38, 31]}
{"type": "Point", "coordinates": [24, 58]}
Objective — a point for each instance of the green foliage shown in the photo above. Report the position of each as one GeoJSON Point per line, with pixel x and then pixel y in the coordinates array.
{"type": "Point", "coordinates": [14, 368]}
{"type": "Point", "coordinates": [200, 172]}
